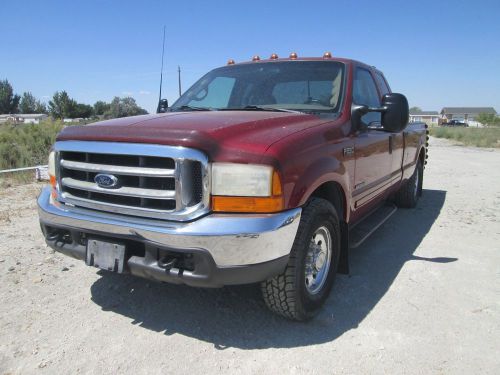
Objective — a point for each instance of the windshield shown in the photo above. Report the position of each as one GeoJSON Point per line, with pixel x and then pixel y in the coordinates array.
{"type": "Point", "coordinates": [305, 86]}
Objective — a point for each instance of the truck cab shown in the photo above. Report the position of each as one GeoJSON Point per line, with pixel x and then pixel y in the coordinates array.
{"type": "Point", "coordinates": [265, 171]}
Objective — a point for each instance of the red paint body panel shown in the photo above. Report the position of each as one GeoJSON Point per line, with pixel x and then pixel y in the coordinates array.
{"type": "Point", "coordinates": [307, 150]}
{"type": "Point", "coordinates": [232, 136]}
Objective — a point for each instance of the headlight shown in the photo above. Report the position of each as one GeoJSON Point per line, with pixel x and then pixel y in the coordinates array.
{"type": "Point", "coordinates": [52, 164]}
{"type": "Point", "coordinates": [245, 188]}
{"type": "Point", "coordinates": [241, 180]}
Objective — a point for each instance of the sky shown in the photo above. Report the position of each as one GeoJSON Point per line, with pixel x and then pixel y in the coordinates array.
{"type": "Point", "coordinates": [437, 53]}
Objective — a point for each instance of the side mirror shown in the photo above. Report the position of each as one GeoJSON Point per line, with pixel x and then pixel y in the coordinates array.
{"type": "Point", "coordinates": [394, 110]}
{"type": "Point", "coordinates": [162, 106]}
{"type": "Point", "coordinates": [395, 114]}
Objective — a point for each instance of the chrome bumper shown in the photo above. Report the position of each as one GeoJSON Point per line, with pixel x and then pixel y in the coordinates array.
{"type": "Point", "coordinates": [230, 239]}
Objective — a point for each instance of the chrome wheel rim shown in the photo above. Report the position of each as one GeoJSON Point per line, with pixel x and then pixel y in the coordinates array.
{"type": "Point", "coordinates": [318, 259]}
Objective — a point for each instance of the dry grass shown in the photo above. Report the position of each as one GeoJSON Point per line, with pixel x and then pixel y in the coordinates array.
{"type": "Point", "coordinates": [478, 137]}
{"type": "Point", "coordinates": [16, 178]}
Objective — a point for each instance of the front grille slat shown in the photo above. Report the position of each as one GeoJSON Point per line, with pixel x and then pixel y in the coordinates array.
{"type": "Point", "coordinates": [124, 190]}
{"type": "Point", "coordinates": [115, 207]}
{"type": "Point", "coordinates": [124, 170]}
{"type": "Point", "coordinates": [158, 181]}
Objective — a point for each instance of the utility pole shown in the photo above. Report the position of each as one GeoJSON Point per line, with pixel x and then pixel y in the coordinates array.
{"type": "Point", "coordinates": [179, 75]}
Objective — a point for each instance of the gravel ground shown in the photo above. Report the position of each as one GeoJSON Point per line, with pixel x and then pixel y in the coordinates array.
{"type": "Point", "coordinates": [423, 298]}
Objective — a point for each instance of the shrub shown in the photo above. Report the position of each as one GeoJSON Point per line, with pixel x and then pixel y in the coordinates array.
{"type": "Point", "coordinates": [26, 145]}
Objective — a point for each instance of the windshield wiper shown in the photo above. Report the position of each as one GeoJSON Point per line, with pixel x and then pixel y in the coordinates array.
{"type": "Point", "coordinates": [190, 108]}
{"type": "Point", "coordinates": [258, 108]}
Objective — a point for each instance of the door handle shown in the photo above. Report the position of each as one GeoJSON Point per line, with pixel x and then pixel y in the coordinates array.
{"type": "Point", "coordinates": [391, 143]}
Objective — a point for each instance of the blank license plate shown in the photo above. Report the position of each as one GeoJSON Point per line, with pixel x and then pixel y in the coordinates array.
{"type": "Point", "coordinates": [105, 255]}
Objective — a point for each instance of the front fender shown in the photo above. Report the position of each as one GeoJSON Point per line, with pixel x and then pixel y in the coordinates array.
{"type": "Point", "coordinates": [321, 171]}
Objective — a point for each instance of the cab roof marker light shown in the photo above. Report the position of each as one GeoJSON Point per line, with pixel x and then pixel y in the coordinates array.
{"type": "Point", "coordinates": [293, 55]}
{"type": "Point", "coordinates": [274, 56]}
{"type": "Point", "coordinates": [256, 58]}
{"type": "Point", "coordinates": [327, 55]}
{"type": "Point", "coordinates": [230, 62]}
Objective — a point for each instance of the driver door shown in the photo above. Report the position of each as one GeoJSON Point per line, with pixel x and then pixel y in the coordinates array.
{"type": "Point", "coordinates": [372, 145]}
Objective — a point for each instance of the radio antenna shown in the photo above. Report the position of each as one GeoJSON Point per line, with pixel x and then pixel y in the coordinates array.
{"type": "Point", "coordinates": [161, 72]}
{"type": "Point", "coordinates": [179, 79]}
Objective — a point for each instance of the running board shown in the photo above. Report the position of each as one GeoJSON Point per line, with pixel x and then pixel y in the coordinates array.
{"type": "Point", "coordinates": [368, 226]}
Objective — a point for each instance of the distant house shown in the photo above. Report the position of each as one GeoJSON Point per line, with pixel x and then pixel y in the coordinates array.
{"type": "Point", "coordinates": [429, 117]}
{"type": "Point", "coordinates": [19, 118]}
{"type": "Point", "coordinates": [465, 114]}
{"type": "Point", "coordinates": [73, 120]}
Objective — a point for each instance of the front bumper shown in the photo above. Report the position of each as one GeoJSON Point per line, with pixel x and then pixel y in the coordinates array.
{"type": "Point", "coordinates": [224, 248]}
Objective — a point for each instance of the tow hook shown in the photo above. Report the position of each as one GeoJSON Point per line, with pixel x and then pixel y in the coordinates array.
{"type": "Point", "coordinates": [167, 263]}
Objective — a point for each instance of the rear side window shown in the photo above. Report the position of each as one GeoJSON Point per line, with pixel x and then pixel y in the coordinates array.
{"type": "Point", "coordinates": [382, 84]}
{"type": "Point", "coordinates": [365, 93]}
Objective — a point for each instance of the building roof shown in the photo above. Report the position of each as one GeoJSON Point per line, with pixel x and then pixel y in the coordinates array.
{"type": "Point", "coordinates": [468, 110]}
{"type": "Point", "coordinates": [424, 113]}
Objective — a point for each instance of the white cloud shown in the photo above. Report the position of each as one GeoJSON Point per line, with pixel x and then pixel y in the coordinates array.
{"type": "Point", "coordinates": [127, 93]}
{"type": "Point", "coordinates": [144, 92]}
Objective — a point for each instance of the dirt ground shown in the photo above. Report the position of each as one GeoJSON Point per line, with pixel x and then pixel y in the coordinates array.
{"type": "Point", "coordinates": [423, 297]}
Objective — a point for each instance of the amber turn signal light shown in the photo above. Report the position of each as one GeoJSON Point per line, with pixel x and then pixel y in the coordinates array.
{"type": "Point", "coordinates": [53, 184]}
{"type": "Point", "coordinates": [247, 204]}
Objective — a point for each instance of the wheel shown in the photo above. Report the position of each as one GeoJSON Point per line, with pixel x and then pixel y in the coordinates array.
{"type": "Point", "coordinates": [407, 196]}
{"type": "Point", "coordinates": [304, 285]}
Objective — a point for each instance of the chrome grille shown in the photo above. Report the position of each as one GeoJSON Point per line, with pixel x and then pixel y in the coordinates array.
{"type": "Point", "coordinates": [155, 181]}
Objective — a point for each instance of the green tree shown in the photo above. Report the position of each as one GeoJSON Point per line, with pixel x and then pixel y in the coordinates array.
{"type": "Point", "coordinates": [62, 106]}
{"type": "Point", "coordinates": [28, 103]}
{"type": "Point", "coordinates": [40, 107]}
{"type": "Point", "coordinates": [131, 108]}
{"type": "Point", "coordinates": [415, 109]}
{"type": "Point", "coordinates": [82, 111]}
{"type": "Point", "coordinates": [488, 119]}
{"type": "Point", "coordinates": [100, 108]}
{"type": "Point", "coordinates": [124, 107]}
{"type": "Point", "coordinates": [8, 101]}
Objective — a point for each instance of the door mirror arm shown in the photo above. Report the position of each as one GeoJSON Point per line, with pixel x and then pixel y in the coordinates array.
{"type": "Point", "coordinates": [358, 111]}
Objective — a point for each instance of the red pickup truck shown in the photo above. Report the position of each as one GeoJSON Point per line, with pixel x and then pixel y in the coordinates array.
{"type": "Point", "coordinates": [265, 171]}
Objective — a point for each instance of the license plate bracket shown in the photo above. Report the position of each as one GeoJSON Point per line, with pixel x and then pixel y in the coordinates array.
{"type": "Point", "coordinates": [105, 255]}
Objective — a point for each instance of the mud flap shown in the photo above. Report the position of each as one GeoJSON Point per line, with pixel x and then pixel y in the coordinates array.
{"type": "Point", "coordinates": [344, 249]}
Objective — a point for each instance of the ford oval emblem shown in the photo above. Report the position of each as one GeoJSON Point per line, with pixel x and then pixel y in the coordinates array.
{"type": "Point", "coordinates": [107, 181]}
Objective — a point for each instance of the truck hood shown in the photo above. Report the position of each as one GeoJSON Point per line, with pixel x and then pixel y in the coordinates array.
{"type": "Point", "coordinates": [235, 133]}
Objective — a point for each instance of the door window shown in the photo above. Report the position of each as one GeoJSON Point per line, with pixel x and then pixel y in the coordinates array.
{"type": "Point", "coordinates": [382, 84]}
{"type": "Point", "coordinates": [365, 93]}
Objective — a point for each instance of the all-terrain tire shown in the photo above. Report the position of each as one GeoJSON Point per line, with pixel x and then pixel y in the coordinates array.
{"type": "Point", "coordinates": [287, 294]}
{"type": "Point", "coordinates": [407, 196]}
